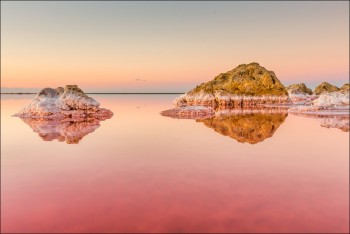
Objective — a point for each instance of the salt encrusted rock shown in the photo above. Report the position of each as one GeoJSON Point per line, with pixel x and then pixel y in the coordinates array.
{"type": "Point", "coordinates": [189, 112]}
{"type": "Point", "coordinates": [299, 89]}
{"type": "Point", "coordinates": [304, 99]}
{"type": "Point", "coordinates": [300, 94]}
{"type": "Point", "coordinates": [247, 127]}
{"type": "Point", "coordinates": [325, 87]}
{"type": "Point", "coordinates": [65, 130]}
{"type": "Point", "coordinates": [70, 102]}
{"type": "Point", "coordinates": [335, 103]}
{"type": "Point", "coordinates": [334, 99]}
{"type": "Point", "coordinates": [74, 98]}
{"type": "Point", "coordinates": [247, 85]}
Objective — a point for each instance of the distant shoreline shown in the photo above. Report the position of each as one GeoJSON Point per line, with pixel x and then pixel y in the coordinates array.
{"type": "Point", "coordinates": [96, 93]}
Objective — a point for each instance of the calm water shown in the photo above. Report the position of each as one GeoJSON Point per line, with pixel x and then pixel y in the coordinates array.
{"type": "Point", "coordinates": [142, 172]}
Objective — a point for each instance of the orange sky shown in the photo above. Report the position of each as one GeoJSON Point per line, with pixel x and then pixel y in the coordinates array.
{"type": "Point", "coordinates": [169, 46]}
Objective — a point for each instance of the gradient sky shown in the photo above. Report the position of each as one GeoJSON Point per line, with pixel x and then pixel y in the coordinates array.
{"type": "Point", "coordinates": [169, 46]}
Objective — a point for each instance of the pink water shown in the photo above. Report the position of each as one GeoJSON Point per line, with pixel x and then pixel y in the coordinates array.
{"type": "Point", "coordinates": [142, 172]}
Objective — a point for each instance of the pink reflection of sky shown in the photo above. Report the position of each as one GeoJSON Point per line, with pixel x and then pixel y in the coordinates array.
{"type": "Point", "coordinates": [141, 172]}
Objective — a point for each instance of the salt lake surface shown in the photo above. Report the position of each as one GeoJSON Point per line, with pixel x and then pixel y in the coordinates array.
{"type": "Point", "coordinates": [143, 172]}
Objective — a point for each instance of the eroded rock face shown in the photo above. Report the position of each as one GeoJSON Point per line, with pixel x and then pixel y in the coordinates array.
{"type": "Point", "coordinates": [246, 85]}
{"type": "Point", "coordinates": [325, 87]}
{"type": "Point", "coordinates": [70, 102]}
{"type": "Point", "coordinates": [248, 127]}
{"type": "Point", "coordinates": [298, 89]}
{"type": "Point", "coordinates": [68, 131]}
{"type": "Point", "coordinates": [300, 94]}
{"type": "Point", "coordinates": [74, 98]}
{"type": "Point", "coordinates": [345, 87]}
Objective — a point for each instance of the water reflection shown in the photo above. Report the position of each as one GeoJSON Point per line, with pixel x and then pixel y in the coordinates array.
{"type": "Point", "coordinates": [68, 131]}
{"type": "Point", "coordinates": [244, 125]}
{"type": "Point", "coordinates": [340, 122]}
{"type": "Point", "coordinates": [249, 128]}
{"type": "Point", "coordinates": [330, 120]}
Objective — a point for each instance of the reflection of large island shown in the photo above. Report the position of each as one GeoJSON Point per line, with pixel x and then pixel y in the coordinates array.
{"type": "Point", "coordinates": [70, 132]}
{"type": "Point", "coordinates": [248, 127]}
{"type": "Point", "coordinates": [244, 125]}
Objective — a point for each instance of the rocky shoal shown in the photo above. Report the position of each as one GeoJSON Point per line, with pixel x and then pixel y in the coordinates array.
{"type": "Point", "coordinates": [64, 103]}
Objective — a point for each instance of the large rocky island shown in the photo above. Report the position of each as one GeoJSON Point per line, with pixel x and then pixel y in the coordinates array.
{"type": "Point", "coordinates": [250, 89]}
{"type": "Point", "coordinates": [246, 86]}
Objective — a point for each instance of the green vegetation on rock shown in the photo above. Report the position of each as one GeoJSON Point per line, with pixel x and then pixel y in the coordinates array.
{"type": "Point", "coordinates": [246, 79]}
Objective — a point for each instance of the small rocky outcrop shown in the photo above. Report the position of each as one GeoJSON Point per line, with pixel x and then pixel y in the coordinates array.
{"type": "Point", "coordinates": [333, 100]}
{"type": "Point", "coordinates": [335, 103]}
{"type": "Point", "coordinates": [325, 87]}
{"type": "Point", "coordinates": [247, 85]}
{"type": "Point", "coordinates": [298, 89]}
{"type": "Point", "coordinates": [300, 94]}
{"type": "Point", "coordinates": [64, 103]}
{"type": "Point", "coordinates": [345, 87]}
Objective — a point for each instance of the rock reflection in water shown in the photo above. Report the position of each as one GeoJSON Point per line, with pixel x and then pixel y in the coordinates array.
{"type": "Point", "coordinates": [250, 127]}
{"type": "Point", "coordinates": [340, 120]}
{"type": "Point", "coordinates": [189, 112]}
{"type": "Point", "coordinates": [66, 130]}
{"type": "Point", "coordinates": [244, 125]}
